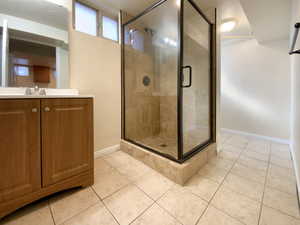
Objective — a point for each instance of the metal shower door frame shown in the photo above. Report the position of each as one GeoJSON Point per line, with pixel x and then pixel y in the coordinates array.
{"type": "Point", "coordinates": [181, 156]}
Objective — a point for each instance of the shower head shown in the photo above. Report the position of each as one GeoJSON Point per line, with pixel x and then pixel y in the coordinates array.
{"type": "Point", "coordinates": [149, 31]}
{"type": "Point", "coordinates": [132, 30]}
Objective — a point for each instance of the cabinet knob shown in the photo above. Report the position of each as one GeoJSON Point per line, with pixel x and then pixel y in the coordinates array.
{"type": "Point", "coordinates": [47, 109]}
{"type": "Point", "coordinates": [34, 110]}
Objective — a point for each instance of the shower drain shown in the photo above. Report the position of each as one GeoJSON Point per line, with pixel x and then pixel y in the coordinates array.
{"type": "Point", "coordinates": [163, 145]}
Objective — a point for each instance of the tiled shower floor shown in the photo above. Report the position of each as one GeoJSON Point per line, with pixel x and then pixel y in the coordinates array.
{"type": "Point", "coordinates": [251, 182]}
{"type": "Point", "coordinates": [191, 139]}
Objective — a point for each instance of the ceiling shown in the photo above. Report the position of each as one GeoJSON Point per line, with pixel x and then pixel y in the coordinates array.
{"type": "Point", "coordinates": [255, 17]}
{"type": "Point", "coordinates": [265, 19]}
{"type": "Point", "coordinates": [49, 12]}
{"type": "Point", "coordinates": [270, 19]}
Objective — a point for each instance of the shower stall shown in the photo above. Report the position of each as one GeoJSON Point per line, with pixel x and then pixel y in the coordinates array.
{"type": "Point", "coordinates": [168, 79]}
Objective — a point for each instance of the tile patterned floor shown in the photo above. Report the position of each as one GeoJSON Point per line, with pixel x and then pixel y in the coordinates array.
{"type": "Point", "coordinates": [251, 182]}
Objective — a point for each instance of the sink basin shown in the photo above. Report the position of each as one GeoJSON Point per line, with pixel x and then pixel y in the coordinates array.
{"type": "Point", "coordinates": [49, 92]}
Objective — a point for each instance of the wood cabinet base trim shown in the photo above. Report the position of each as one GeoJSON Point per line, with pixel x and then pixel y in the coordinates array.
{"type": "Point", "coordinates": [83, 180]}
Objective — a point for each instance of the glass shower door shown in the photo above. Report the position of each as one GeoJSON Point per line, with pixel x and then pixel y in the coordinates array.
{"type": "Point", "coordinates": [150, 68]}
{"type": "Point", "coordinates": [196, 79]}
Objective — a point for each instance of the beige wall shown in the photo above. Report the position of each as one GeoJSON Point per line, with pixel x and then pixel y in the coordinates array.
{"type": "Point", "coordinates": [95, 69]}
{"type": "Point", "coordinates": [256, 88]}
{"type": "Point", "coordinates": [295, 82]}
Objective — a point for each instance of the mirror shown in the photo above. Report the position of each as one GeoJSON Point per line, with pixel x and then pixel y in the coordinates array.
{"type": "Point", "coordinates": [34, 43]}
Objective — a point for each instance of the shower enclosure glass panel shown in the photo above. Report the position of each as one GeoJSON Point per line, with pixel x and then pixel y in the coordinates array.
{"type": "Point", "coordinates": [196, 74]}
{"type": "Point", "coordinates": [150, 65]}
{"type": "Point", "coordinates": [167, 82]}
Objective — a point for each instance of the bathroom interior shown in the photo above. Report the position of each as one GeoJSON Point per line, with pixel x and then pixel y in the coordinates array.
{"type": "Point", "coordinates": [118, 112]}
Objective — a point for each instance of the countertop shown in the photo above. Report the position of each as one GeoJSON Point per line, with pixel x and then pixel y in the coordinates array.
{"type": "Point", "coordinates": [43, 96]}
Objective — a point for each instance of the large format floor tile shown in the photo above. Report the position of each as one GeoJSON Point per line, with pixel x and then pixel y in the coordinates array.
{"type": "Point", "coordinates": [101, 166]}
{"type": "Point", "coordinates": [281, 153]}
{"type": "Point", "coordinates": [229, 155]}
{"type": "Point", "coordinates": [202, 187]}
{"type": "Point", "coordinates": [281, 201]}
{"type": "Point", "coordinates": [238, 206]}
{"type": "Point", "coordinates": [279, 172]}
{"type": "Point", "coordinates": [155, 215]}
{"type": "Point", "coordinates": [252, 163]}
{"type": "Point", "coordinates": [286, 163]}
{"type": "Point", "coordinates": [231, 148]}
{"type": "Point", "coordinates": [283, 147]}
{"type": "Point", "coordinates": [226, 191]}
{"type": "Point", "coordinates": [282, 184]}
{"type": "Point", "coordinates": [69, 203]}
{"type": "Point", "coordinates": [238, 141]}
{"type": "Point", "coordinates": [107, 183]}
{"type": "Point", "coordinates": [154, 184]}
{"type": "Point", "coordinates": [244, 186]}
{"type": "Point", "coordinates": [134, 171]}
{"type": "Point", "coordinates": [271, 216]}
{"type": "Point", "coordinates": [259, 146]}
{"type": "Point", "coordinates": [213, 172]}
{"type": "Point", "coordinates": [221, 163]}
{"type": "Point", "coordinates": [95, 215]}
{"type": "Point", "coordinates": [127, 204]}
{"type": "Point", "coordinates": [119, 159]}
{"type": "Point", "coordinates": [30, 215]}
{"type": "Point", "coordinates": [255, 175]}
{"type": "Point", "coordinates": [256, 155]}
{"type": "Point", "coordinates": [183, 205]}
{"type": "Point", "coordinates": [213, 216]}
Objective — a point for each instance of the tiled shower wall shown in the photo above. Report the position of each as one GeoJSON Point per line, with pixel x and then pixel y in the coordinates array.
{"type": "Point", "coordinates": [152, 110]}
{"type": "Point", "coordinates": [196, 98]}
{"type": "Point", "coordinates": [142, 118]}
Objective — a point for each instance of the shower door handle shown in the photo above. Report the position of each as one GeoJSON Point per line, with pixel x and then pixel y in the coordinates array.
{"type": "Point", "coordinates": [190, 76]}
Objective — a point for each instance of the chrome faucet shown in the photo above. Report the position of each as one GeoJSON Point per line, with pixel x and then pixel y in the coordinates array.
{"type": "Point", "coordinates": [42, 91]}
{"type": "Point", "coordinates": [35, 91]}
{"type": "Point", "coordinates": [28, 91]}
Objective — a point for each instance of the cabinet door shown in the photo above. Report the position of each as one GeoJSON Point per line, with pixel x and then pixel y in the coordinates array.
{"type": "Point", "coordinates": [67, 138]}
{"type": "Point", "coordinates": [20, 171]}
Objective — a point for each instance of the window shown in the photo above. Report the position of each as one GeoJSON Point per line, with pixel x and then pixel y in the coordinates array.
{"type": "Point", "coordinates": [85, 19]}
{"type": "Point", "coordinates": [22, 71]}
{"type": "Point", "coordinates": [109, 28]}
{"type": "Point", "coordinates": [93, 22]}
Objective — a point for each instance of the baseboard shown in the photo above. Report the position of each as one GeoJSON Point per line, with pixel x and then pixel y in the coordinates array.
{"type": "Point", "coordinates": [277, 140]}
{"type": "Point", "coordinates": [106, 151]}
{"type": "Point", "coordinates": [296, 170]}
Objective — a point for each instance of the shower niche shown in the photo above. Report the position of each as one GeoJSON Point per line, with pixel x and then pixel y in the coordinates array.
{"type": "Point", "coordinates": [168, 82]}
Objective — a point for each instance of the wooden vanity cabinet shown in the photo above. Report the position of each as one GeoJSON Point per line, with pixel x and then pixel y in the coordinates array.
{"type": "Point", "coordinates": [66, 130]}
{"type": "Point", "coordinates": [46, 145]}
{"type": "Point", "coordinates": [20, 154]}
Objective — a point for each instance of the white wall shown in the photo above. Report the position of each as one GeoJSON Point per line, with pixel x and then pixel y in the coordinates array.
{"type": "Point", "coordinates": [29, 26]}
{"type": "Point", "coordinates": [255, 92]}
{"type": "Point", "coordinates": [1, 60]}
{"type": "Point", "coordinates": [295, 92]}
{"type": "Point", "coordinates": [95, 68]}
{"type": "Point", "coordinates": [62, 68]}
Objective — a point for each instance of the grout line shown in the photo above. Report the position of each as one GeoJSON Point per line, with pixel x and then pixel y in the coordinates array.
{"type": "Point", "coordinates": [132, 182]}
{"type": "Point", "coordinates": [76, 214]}
{"type": "Point", "coordinates": [48, 203]}
{"type": "Point", "coordinates": [142, 212]}
{"type": "Point", "coordinates": [156, 201]}
{"type": "Point", "coordinates": [281, 212]}
{"type": "Point", "coordinates": [219, 187]}
{"type": "Point", "coordinates": [105, 206]}
{"type": "Point", "coordinates": [119, 189]}
{"type": "Point", "coordinates": [265, 184]}
{"type": "Point", "coordinates": [166, 211]}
